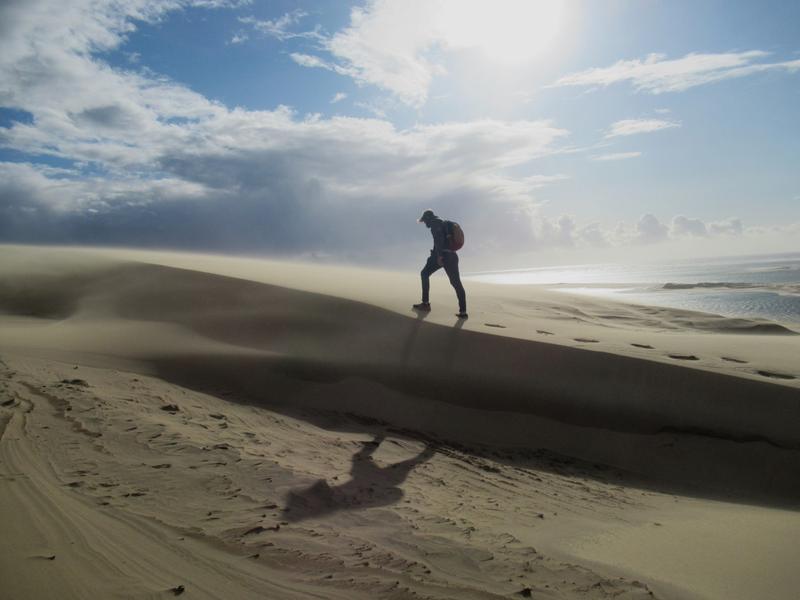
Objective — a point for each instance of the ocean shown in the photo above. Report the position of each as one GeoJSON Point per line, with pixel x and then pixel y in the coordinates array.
{"type": "Point", "coordinates": [763, 287]}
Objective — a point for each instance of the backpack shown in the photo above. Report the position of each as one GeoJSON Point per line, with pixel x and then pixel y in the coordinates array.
{"type": "Point", "coordinates": [455, 235]}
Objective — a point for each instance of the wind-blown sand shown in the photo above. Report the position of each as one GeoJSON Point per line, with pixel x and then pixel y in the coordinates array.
{"type": "Point", "coordinates": [218, 427]}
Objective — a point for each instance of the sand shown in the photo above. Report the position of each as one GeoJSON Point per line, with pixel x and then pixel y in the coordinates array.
{"type": "Point", "coordinates": [218, 427]}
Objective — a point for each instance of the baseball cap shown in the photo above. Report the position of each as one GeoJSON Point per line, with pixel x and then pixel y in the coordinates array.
{"type": "Point", "coordinates": [426, 215]}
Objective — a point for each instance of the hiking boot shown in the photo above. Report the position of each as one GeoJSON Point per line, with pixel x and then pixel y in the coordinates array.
{"type": "Point", "coordinates": [426, 306]}
{"type": "Point", "coordinates": [462, 315]}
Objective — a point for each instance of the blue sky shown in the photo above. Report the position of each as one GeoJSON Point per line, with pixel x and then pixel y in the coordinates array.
{"type": "Point", "coordinates": [577, 130]}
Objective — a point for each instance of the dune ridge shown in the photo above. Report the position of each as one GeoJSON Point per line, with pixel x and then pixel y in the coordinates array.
{"type": "Point", "coordinates": [312, 336]}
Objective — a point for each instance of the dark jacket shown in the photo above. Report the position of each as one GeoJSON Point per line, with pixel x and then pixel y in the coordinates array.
{"type": "Point", "coordinates": [439, 237]}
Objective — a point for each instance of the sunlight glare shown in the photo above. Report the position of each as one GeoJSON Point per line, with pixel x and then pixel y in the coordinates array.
{"type": "Point", "coordinates": [508, 31]}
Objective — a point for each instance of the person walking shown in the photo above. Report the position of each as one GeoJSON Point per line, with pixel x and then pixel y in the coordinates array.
{"type": "Point", "coordinates": [441, 256]}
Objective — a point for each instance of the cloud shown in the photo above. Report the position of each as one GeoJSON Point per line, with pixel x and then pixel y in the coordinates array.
{"type": "Point", "coordinates": [647, 239]}
{"type": "Point", "coordinates": [384, 45]}
{"type": "Point", "coordinates": [727, 227]}
{"type": "Point", "coordinates": [338, 97]}
{"type": "Point", "coordinates": [617, 156]}
{"type": "Point", "coordinates": [308, 60]}
{"type": "Point", "coordinates": [685, 226]}
{"type": "Point", "coordinates": [400, 46]}
{"type": "Point", "coordinates": [651, 237]}
{"type": "Point", "coordinates": [149, 161]}
{"type": "Point", "coordinates": [657, 74]}
{"type": "Point", "coordinates": [650, 230]}
{"type": "Point", "coordinates": [560, 232]}
{"type": "Point", "coordinates": [313, 62]}
{"type": "Point", "coordinates": [280, 28]}
{"type": "Point", "coordinates": [594, 235]}
{"type": "Point", "coordinates": [634, 126]}
{"type": "Point", "coordinates": [565, 232]}
{"type": "Point", "coordinates": [239, 38]}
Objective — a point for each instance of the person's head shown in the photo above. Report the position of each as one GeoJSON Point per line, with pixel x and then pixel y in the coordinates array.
{"type": "Point", "coordinates": [427, 217]}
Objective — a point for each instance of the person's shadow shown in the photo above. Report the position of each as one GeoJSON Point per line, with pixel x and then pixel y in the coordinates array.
{"type": "Point", "coordinates": [369, 486]}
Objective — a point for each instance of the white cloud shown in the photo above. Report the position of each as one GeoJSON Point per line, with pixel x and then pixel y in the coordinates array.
{"type": "Point", "coordinates": [657, 74]}
{"type": "Point", "coordinates": [726, 227]}
{"type": "Point", "coordinates": [85, 110]}
{"type": "Point", "coordinates": [685, 226]}
{"type": "Point", "coordinates": [649, 230]}
{"type": "Point", "coordinates": [617, 156]}
{"type": "Point", "coordinates": [177, 165]}
{"type": "Point", "coordinates": [311, 61]}
{"type": "Point", "coordinates": [64, 191]}
{"type": "Point", "coordinates": [634, 126]}
{"type": "Point", "coordinates": [280, 28]}
{"type": "Point", "coordinates": [564, 231]}
{"type": "Point", "coordinates": [384, 46]}
{"type": "Point", "coordinates": [616, 244]}
{"type": "Point", "coordinates": [594, 236]}
{"type": "Point", "coordinates": [398, 45]}
{"type": "Point", "coordinates": [560, 232]}
{"type": "Point", "coordinates": [239, 38]}
{"type": "Point", "coordinates": [338, 97]}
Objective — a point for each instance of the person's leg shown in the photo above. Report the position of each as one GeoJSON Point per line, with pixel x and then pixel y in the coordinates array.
{"type": "Point", "coordinates": [430, 268]}
{"type": "Point", "coordinates": [451, 268]}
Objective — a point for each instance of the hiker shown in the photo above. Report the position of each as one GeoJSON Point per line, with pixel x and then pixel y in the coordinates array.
{"type": "Point", "coordinates": [442, 255]}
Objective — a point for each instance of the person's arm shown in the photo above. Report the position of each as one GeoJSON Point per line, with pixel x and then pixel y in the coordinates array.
{"type": "Point", "coordinates": [439, 239]}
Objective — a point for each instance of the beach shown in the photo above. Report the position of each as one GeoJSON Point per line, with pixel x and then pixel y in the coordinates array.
{"type": "Point", "coordinates": [225, 427]}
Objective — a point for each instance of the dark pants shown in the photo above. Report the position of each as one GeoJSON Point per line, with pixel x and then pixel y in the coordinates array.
{"type": "Point", "coordinates": [450, 264]}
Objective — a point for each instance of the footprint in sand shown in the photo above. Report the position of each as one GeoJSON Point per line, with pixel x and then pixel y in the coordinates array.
{"type": "Point", "coordinates": [495, 325]}
{"type": "Point", "coordinates": [543, 332]}
{"type": "Point", "coordinates": [734, 360]}
{"type": "Point", "coordinates": [645, 346]}
{"type": "Point", "coordinates": [586, 340]}
{"type": "Point", "coordinates": [683, 356]}
{"type": "Point", "coordinates": [77, 382]}
{"type": "Point", "coordinates": [773, 375]}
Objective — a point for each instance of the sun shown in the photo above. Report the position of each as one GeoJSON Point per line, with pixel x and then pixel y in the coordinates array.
{"type": "Point", "coordinates": [508, 31]}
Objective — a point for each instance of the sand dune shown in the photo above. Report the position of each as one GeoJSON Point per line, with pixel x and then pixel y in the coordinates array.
{"type": "Point", "coordinates": [259, 429]}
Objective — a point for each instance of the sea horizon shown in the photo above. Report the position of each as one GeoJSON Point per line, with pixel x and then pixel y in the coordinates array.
{"type": "Point", "coordinates": [765, 286]}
